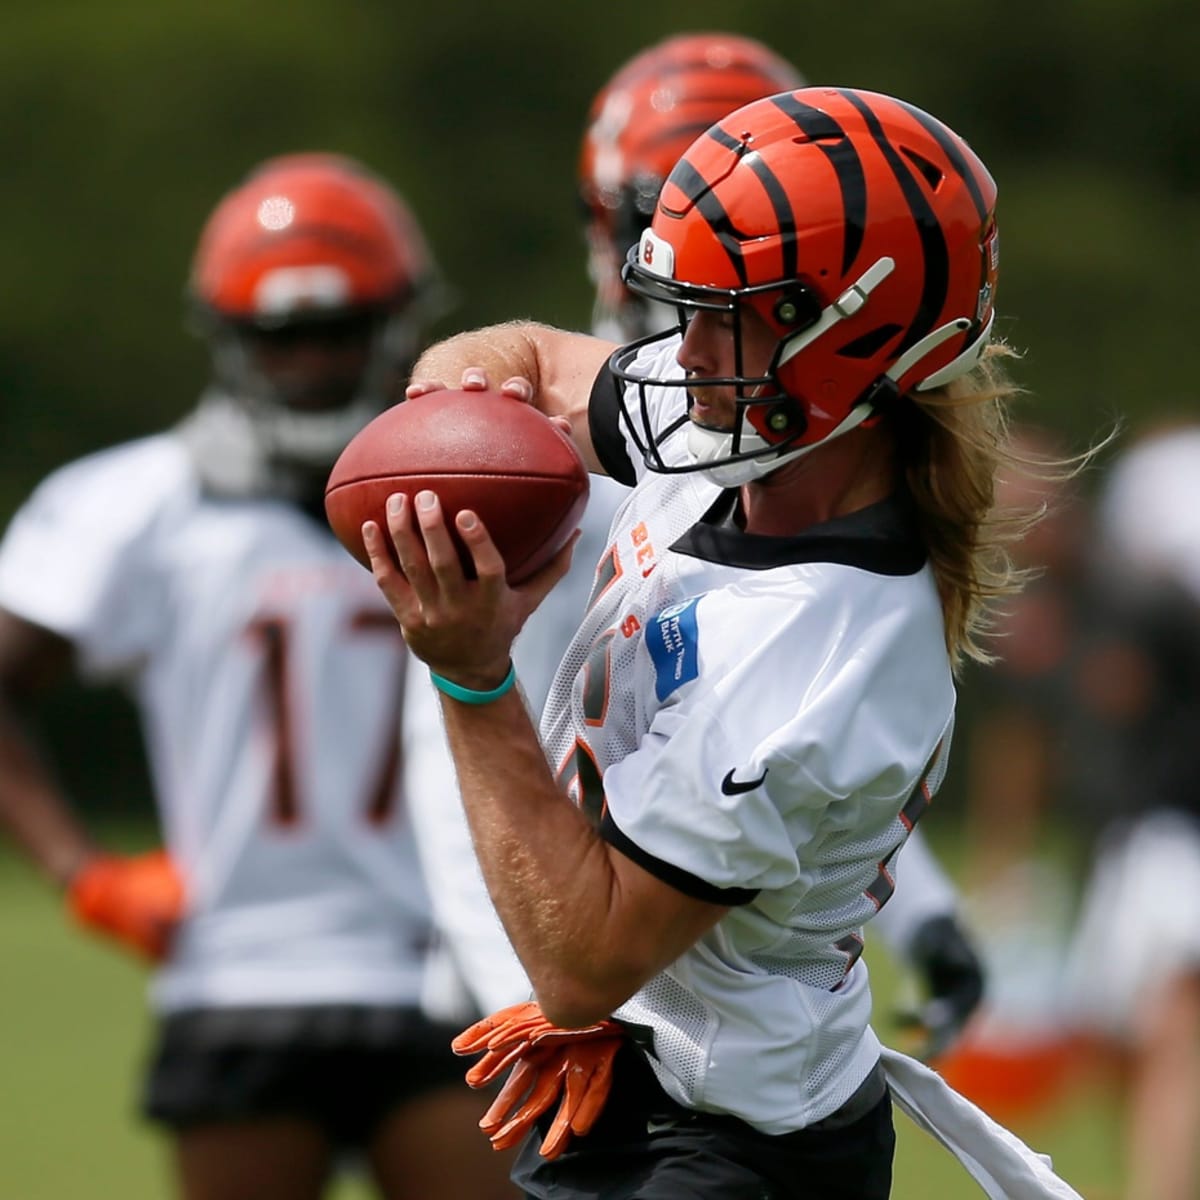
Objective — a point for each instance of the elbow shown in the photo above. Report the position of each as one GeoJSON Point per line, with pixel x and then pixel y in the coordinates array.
{"type": "Point", "coordinates": [569, 1013]}
{"type": "Point", "coordinates": [573, 1003]}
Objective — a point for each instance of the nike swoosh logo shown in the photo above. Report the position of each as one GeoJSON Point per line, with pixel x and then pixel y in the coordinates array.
{"type": "Point", "coordinates": [732, 787]}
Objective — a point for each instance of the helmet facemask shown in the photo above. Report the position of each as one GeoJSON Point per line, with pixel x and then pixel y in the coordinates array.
{"type": "Point", "coordinates": [770, 422]}
{"type": "Point", "coordinates": [309, 386]}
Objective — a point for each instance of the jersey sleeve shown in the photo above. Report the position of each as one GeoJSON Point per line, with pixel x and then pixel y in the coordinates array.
{"type": "Point", "coordinates": [77, 558]}
{"type": "Point", "coordinates": [795, 715]}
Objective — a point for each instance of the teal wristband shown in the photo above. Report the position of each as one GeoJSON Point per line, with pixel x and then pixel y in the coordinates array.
{"type": "Point", "coordinates": [471, 695]}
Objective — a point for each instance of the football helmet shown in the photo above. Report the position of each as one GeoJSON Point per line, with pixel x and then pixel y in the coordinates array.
{"type": "Point", "coordinates": [639, 124]}
{"type": "Point", "coordinates": [859, 228]}
{"type": "Point", "coordinates": [310, 249]}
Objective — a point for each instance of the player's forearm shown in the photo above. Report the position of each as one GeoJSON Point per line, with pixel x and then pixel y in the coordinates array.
{"type": "Point", "coordinates": [550, 875]}
{"type": "Point", "coordinates": [33, 811]}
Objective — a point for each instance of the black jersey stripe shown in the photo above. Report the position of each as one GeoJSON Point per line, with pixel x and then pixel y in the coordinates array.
{"type": "Point", "coordinates": [830, 138]}
{"type": "Point", "coordinates": [935, 286]}
{"type": "Point", "coordinates": [681, 880]}
{"type": "Point", "coordinates": [953, 153]}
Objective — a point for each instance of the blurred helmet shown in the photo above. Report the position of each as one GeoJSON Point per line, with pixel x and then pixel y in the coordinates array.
{"type": "Point", "coordinates": [859, 228]}
{"type": "Point", "coordinates": [311, 250]}
{"type": "Point", "coordinates": [639, 124]}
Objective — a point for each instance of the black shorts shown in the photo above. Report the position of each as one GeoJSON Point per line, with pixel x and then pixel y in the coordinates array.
{"type": "Point", "coordinates": [344, 1067]}
{"type": "Point", "coordinates": [645, 1146]}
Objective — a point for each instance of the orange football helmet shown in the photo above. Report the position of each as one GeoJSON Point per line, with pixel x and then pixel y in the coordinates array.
{"type": "Point", "coordinates": [639, 124]}
{"type": "Point", "coordinates": [859, 228]}
{"type": "Point", "coordinates": [311, 249]}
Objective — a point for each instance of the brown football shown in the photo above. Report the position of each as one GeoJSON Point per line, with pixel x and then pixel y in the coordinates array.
{"type": "Point", "coordinates": [500, 458]}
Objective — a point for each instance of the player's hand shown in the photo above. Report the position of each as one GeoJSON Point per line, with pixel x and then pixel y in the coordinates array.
{"type": "Point", "coordinates": [474, 379]}
{"type": "Point", "coordinates": [953, 976]}
{"type": "Point", "coordinates": [136, 900]}
{"type": "Point", "coordinates": [572, 1066]}
{"type": "Point", "coordinates": [461, 628]}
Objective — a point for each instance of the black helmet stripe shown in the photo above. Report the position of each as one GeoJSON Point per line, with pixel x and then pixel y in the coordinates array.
{"type": "Point", "coordinates": [784, 217]}
{"type": "Point", "coordinates": [727, 140]}
{"type": "Point", "coordinates": [935, 286]}
{"type": "Point", "coordinates": [830, 138]}
{"type": "Point", "coordinates": [699, 191]}
{"type": "Point", "coordinates": [938, 132]}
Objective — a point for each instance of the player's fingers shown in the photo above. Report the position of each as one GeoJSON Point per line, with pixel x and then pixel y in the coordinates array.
{"type": "Point", "coordinates": [390, 580]}
{"type": "Point", "coordinates": [491, 1064]}
{"type": "Point", "coordinates": [518, 1083]}
{"type": "Point", "coordinates": [423, 388]}
{"type": "Point", "coordinates": [440, 550]}
{"type": "Point", "coordinates": [409, 544]}
{"type": "Point", "coordinates": [559, 1133]}
{"type": "Point", "coordinates": [519, 388]}
{"type": "Point", "coordinates": [596, 1092]}
{"type": "Point", "coordinates": [545, 1090]}
{"type": "Point", "coordinates": [489, 562]}
{"type": "Point", "coordinates": [478, 1035]}
{"type": "Point", "coordinates": [474, 379]}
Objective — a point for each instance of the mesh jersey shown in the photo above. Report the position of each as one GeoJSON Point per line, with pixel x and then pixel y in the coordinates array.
{"type": "Point", "coordinates": [269, 676]}
{"type": "Point", "coordinates": [757, 721]}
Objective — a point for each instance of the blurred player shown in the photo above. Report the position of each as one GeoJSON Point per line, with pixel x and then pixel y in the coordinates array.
{"type": "Point", "coordinates": [289, 919]}
{"type": "Point", "coordinates": [639, 124]}
{"type": "Point", "coordinates": [1134, 969]}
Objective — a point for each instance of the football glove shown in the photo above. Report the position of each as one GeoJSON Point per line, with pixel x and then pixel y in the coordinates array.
{"type": "Point", "coordinates": [136, 900]}
{"type": "Point", "coordinates": [953, 976]}
{"type": "Point", "coordinates": [572, 1066]}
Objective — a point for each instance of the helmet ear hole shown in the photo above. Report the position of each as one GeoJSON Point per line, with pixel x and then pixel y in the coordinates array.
{"type": "Point", "coordinates": [779, 421]}
{"type": "Point", "coordinates": [796, 308]}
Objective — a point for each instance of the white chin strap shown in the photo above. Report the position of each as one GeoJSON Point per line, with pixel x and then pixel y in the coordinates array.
{"type": "Point", "coordinates": [705, 445]}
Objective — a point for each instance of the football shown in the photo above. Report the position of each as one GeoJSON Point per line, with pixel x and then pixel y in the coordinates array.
{"type": "Point", "coordinates": [498, 457]}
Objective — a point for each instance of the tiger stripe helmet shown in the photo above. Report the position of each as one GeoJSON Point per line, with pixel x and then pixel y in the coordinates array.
{"type": "Point", "coordinates": [311, 246]}
{"type": "Point", "coordinates": [859, 227]}
{"type": "Point", "coordinates": [639, 124]}
{"type": "Point", "coordinates": [306, 235]}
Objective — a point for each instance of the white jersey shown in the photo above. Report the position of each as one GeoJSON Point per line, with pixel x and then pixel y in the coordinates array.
{"type": "Point", "coordinates": [539, 648]}
{"type": "Point", "coordinates": [757, 721]}
{"type": "Point", "coordinates": [270, 678]}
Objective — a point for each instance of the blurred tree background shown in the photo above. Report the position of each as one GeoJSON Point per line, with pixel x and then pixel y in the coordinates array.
{"type": "Point", "coordinates": [123, 123]}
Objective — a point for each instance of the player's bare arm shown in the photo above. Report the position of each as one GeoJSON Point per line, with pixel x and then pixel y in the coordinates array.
{"type": "Point", "coordinates": [553, 369]}
{"type": "Point", "coordinates": [32, 808]}
{"type": "Point", "coordinates": [589, 925]}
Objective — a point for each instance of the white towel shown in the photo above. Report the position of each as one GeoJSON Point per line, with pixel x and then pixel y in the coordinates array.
{"type": "Point", "coordinates": [1003, 1166]}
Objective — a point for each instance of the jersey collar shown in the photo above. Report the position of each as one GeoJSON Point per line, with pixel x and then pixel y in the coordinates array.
{"type": "Point", "coordinates": [881, 538]}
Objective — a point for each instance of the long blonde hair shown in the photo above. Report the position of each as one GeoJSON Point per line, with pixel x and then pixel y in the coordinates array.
{"type": "Point", "coordinates": [952, 442]}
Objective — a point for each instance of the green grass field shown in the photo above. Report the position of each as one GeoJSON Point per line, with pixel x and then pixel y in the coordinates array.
{"type": "Point", "coordinates": [75, 1031]}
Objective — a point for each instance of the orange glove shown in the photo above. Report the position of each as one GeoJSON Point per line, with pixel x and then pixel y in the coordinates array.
{"type": "Point", "coordinates": [548, 1063]}
{"type": "Point", "coordinates": [137, 900]}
